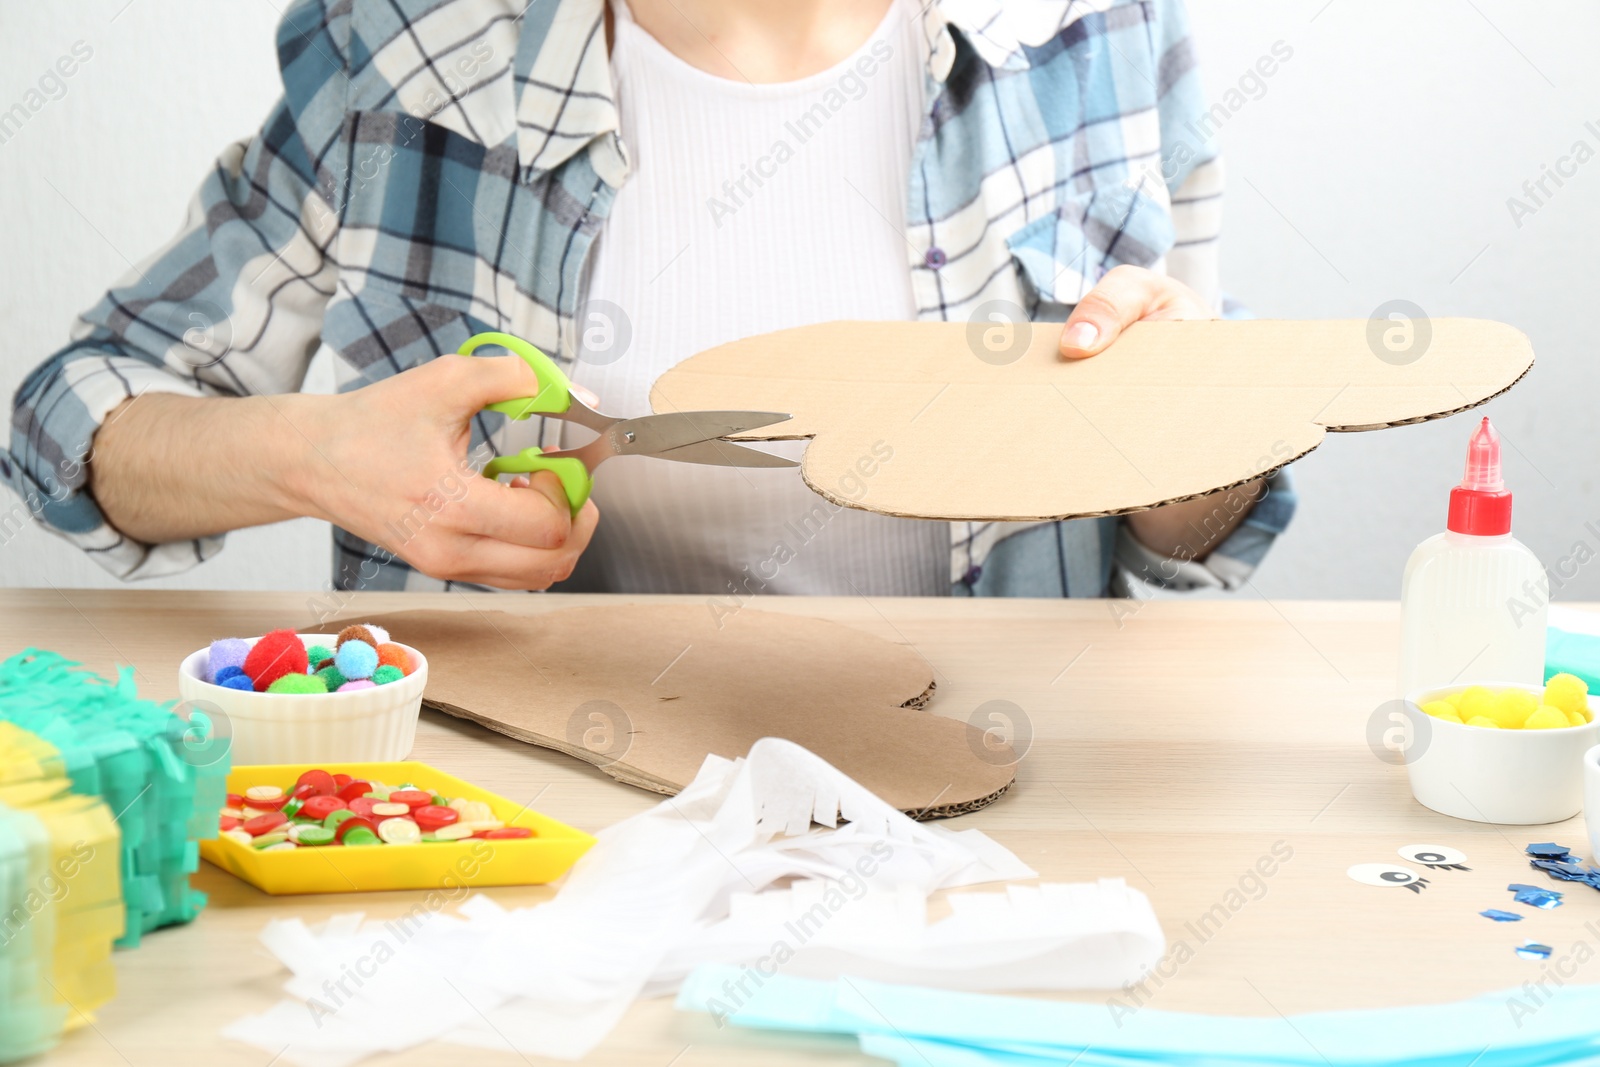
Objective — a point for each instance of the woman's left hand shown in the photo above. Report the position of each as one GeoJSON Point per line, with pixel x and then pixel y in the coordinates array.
{"type": "Point", "coordinates": [1124, 296]}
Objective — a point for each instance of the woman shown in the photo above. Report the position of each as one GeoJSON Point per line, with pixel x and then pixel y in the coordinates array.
{"type": "Point", "coordinates": [625, 186]}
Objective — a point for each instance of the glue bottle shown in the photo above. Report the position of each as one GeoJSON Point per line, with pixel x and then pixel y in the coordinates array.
{"type": "Point", "coordinates": [1472, 603]}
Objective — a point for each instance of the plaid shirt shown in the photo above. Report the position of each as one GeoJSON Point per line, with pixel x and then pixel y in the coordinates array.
{"type": "Point", "coordinates": [436, 168]}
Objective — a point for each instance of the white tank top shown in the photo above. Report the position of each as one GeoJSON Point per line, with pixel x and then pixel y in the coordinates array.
{"type": "Point", "coordinates": [749, 208]}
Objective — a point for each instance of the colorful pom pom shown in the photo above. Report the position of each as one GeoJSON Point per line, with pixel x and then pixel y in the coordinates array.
{"type": "Point", "coordinates": [359, 683]}
{"type": "Point", "coordinates": [395, 656]}
{"type": "Point", "coordinates": [1442, 709]}
{"type": "Point", "coordinates": [240, 681]}
{"type": "Point", "coordinates": [298, 683]}
{"type": "Point", "coordinates": [227, 672]}
{"type": "Point", "coordinates": [228, 652]}
{"type": "Point", "coordinates": [355, 633]}
{"type": "Point", "coordinates": [387, 673]}
{"type": "Point", "coordinates": [1567, 692]}
{"type": "Point", "coordinates": [380, 636]}
{"type": "Point", "coordinates": [273, 656]}
{"type": "Point", "coordinates": [356, 659]}
{"type": "Point", "coordinates": [1547, 717]}
{"type": "Point", "coordinates": [316, 654]}
{"type": "Point", "coordinates": [331, 677]}
{"type": "Point", "coordinates": [1511, 708]}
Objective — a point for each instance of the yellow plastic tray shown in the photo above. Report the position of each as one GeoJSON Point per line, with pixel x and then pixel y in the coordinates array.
{"type": "Point", "coordinates": [546, 856]}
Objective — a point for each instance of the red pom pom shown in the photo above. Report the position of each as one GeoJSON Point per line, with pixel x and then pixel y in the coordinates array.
{"type": "Point", "coordinates": [275, 655]}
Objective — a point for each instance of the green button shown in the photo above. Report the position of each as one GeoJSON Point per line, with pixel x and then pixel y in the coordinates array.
{"type": "Point", "coordinates": [360, 837]}
{"type": "Point", "coordinates": [336, 817]}
{"type": "Point", "coordinates": [316, 835]}
{"type": "Point", "coordinates": [268, 839]}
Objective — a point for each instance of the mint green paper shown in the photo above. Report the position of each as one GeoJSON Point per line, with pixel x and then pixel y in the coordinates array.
{"type": "Point", "coordinates": [1571, 653]}
{"type": "Point", "coordinates": [164, 778]}
{"type": "Point", "coordinates": [1497, 1029]}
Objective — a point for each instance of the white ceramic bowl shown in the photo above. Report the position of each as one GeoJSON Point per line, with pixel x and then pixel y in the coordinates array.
{"type": "Point", "coordinates": [1591, 797]}
{"type": "Point", "coordinates": [362, 726]}
{"type": "Point", "coordinates": [1496, 776]}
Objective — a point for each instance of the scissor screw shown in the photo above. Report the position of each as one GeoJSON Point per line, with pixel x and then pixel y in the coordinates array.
{"type": "Point", "coordinates": [629, 435]}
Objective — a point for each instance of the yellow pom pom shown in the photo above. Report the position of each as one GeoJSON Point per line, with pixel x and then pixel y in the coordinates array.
{"type": "Point", "coordinates": [1547, 717]}
{"type": "Point", "coordinates": [1567, 692]}
{"type": "Point", "coordinates": [1442, 709]}
{"type": "Point", "coordinates": [1576, 718]}
{"type": "Point", "coordinates": [1473, 701]}
{"type": "Point", "coordinates": [1484, 721]}
{"type": "Point", "coordinates": [1511, 708]}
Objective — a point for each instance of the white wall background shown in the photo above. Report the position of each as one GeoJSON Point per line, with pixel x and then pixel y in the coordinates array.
{"type": "Point", "coordinates": [1376, 165]}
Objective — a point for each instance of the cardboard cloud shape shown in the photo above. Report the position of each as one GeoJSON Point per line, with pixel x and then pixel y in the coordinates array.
{"type": "Point", "coordinates": [979, 421]}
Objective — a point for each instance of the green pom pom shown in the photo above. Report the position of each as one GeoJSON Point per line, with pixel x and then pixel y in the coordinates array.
{"type": "Point", "coordinates": [299, 683]}
{"type": "Point", "coordinates": [331, 678]}
{"type": "Point", "coordinates": [317, 653]}
{"type": "Point", "coordinates": [386, 674]}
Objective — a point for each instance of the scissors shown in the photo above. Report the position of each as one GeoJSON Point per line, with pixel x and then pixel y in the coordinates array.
{"type": "Point", "coordinates": [684, 436]}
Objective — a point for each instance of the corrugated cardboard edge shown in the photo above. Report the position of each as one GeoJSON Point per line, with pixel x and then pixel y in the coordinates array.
{"type": "Point", "coordinates": [860, 505]}
{"type": "Point", "coordinates": [640, 778]}
{"type": "Point", "coordinates": [846, 502]}
{"type": "Point", "coordinates": [630, 775]}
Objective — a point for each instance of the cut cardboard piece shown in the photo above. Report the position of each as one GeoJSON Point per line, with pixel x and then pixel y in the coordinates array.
{"type": "Point", "coordinates": [646, 691]}
{"type": "Point", "coordinates": [973, 421]}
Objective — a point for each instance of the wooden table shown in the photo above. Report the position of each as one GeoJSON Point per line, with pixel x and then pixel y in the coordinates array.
{"type": "Point", "coordinates": [1174, 744]}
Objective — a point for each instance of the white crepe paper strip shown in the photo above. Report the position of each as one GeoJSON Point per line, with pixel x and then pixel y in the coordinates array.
{"type": "Point", "coordinates": [1099, 935]}
{"type": "Point", "coordinates": [554, 979]}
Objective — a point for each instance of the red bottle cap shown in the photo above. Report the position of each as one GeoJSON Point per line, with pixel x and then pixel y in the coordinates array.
{"type": "Point", "coordinates": [1481, 504]}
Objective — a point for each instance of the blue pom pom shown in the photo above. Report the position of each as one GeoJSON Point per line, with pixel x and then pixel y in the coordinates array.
{"type": "Point", "coordinates": [227, 672]}
{"type": "Point", "coordinates": [238, 681]}
{"type": "Point", "coordinates": [356, 660]}
{"type": "Point", "coordinates": [229, 652]}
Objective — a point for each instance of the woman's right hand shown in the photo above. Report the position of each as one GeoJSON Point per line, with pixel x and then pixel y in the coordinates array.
{"type": "Point", "coordinates": [390, 465]}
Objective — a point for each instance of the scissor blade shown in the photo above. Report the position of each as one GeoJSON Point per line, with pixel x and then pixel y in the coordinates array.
{"type": "Point", "coordinates": [654, 434]}
{"type": "Point", "coordinates": [724, 454]}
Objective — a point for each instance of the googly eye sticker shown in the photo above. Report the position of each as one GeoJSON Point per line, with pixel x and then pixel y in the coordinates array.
{"type": "Point", "coordinates": [1435, 857]}
{"type": "Point", "coordinates": [1382, 874]}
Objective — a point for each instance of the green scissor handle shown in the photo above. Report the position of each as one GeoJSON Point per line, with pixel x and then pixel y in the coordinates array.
{"type": "Point", "coordinates": [575, 477]}
{"type": "Point", "coordinates": [555, 392]}
{"type": "Point", "coordinates": [554, 398]}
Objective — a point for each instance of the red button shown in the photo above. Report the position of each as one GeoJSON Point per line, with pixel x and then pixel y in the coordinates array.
{"type": "Point", "coordinates": [320, 808]}
{"type": "Point", "coordinates": [227, 822]}
{"type": "Point", "coordinates": [354, 789]}
{"type": "Point", "coordinates": [321, 782]}
{"type": "Point", "coordinates": [505, 833]}
{"type": "Point", "coordinates": [262, 824]}
{"type": "Point", "coordinates": [412, 798]}
{"type": "Point", "coordinates": [434, 816]}
{"type": "Point", "coordinates": [362, 806]}
{"type": "Point", "coordinates": [341, 780]}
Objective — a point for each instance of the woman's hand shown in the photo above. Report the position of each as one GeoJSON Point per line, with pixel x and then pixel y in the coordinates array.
{"type": "Point", "coordinates": [395, 473]}
{"type": "Point", "coordinates": [388, 462]}
{"type": "Point", "coordinates": [1126, 295]}
{"type": "Point", "coordinates": [1186, 531]}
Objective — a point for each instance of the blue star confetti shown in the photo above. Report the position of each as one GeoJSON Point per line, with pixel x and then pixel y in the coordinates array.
{"type": "Point", "coordinates": [1532, 950]}
{"type": "Point", "coordinates": [1558, 862]}
{"type": "Point", "coordinates": [1501, 916]}
{"type": "Point", "coordinates": [1543, 899]}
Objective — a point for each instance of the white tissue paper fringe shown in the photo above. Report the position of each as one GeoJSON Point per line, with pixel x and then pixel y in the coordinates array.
{"type": "Point", "coordinates": [687, 882]}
